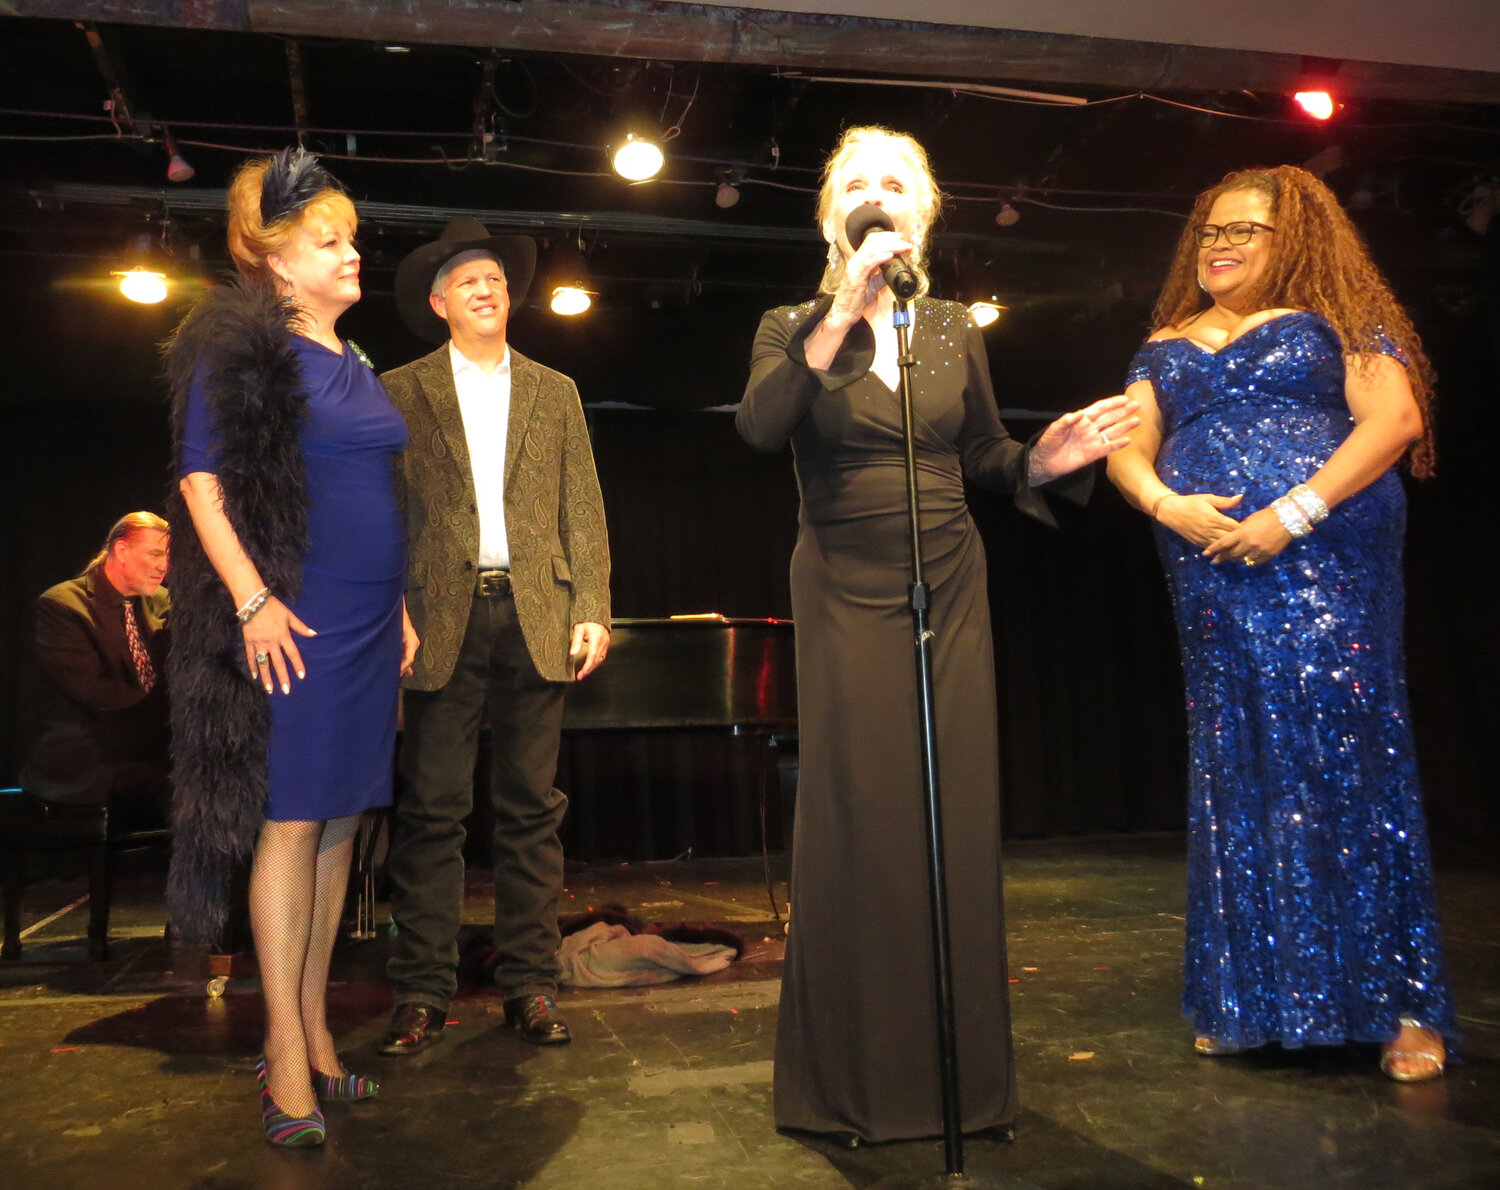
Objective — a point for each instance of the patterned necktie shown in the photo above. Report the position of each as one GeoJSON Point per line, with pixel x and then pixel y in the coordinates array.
{"type": "Point", "coordinates": [138, 654]}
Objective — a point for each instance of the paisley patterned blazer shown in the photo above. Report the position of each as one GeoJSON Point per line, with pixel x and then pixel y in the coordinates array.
{"type": "Point", "coordinates": [554, 515]}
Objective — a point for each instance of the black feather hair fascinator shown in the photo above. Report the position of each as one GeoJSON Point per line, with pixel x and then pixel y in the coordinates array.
{"type": "Point", "coordinates": [293, 180]}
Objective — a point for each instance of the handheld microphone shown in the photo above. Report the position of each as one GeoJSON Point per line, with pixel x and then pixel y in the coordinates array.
{"type": "Point", "coordinates": [898, 272]}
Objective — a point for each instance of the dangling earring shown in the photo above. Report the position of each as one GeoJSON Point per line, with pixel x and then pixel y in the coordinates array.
{"type": "Point", "coordinates": [1202, 286]}
{"type": "Point", "coordinates": [835, 257]}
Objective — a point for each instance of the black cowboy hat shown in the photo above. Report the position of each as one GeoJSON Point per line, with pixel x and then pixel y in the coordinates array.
{"type": "Point", "coordinates": [516, 254]}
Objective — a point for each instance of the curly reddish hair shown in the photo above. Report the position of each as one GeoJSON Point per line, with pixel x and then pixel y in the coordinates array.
{"type": "Point", "coordinates": [1319, 263]}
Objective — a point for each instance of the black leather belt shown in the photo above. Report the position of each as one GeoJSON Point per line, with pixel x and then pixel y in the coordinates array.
{"type": "Point", "coordinates": [492, 582]}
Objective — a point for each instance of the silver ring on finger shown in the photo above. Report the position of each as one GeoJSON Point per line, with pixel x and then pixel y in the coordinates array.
{"type": "Point", "coordinates": [262, 658]}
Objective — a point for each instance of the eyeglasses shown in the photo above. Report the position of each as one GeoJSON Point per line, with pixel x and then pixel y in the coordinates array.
{"type": "Point", "coordinates": [1233, 233]}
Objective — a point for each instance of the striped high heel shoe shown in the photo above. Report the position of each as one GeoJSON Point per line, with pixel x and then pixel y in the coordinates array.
{"type": "Point", "coordinates": [282, 1130]}
{"type": "Point", "coordinates": [344, 1086]}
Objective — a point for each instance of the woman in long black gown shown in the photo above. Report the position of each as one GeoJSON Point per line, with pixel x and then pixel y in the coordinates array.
{"type": "Point", "coordinates": [856, 1040]}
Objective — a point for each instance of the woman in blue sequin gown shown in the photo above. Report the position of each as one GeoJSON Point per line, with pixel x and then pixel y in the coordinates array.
{"type": "Point", "coordinates": [856, 1037]}
{"type": "Point", "coordinates": [1311, 915]}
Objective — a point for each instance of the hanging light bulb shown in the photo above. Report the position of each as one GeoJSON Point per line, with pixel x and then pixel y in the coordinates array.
{"type": "Point", "coordinates": [1007, 215]}
{"type": "Point", "coordinates": [141, 284]}
{"type": "Point", "coordinates": [986, 312]}
{"type": "Point", "coordinates": [570, 300]}
{"type": "Point", "coordinates": [638, 159]}
{"type": "Point", "coordinates": [569, 278]}
{"type": "Point", "coordinates": [1317, 104]}
{"type": "Point", "coordinates": [1315, 83]}
{"type": "Point", "coordinates": [179, 169]}
{"type": "Point", "coordinates": [143, 279]}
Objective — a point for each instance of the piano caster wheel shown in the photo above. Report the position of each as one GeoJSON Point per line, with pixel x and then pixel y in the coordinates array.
{"type": "Point", "coordinates": [216, 986]}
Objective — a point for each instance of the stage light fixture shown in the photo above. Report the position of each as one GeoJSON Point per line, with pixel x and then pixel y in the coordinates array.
{"type": "Point", "coordinates": [568, 275]}
{"type": "Point", "coordinates": [638, 159]}
{"type": "Point", "coordinates": [1317, 104]}
{"type": "Point", "coordinates": [142, 285]}
{"type": "Point", "coordinates": [1315, 85]}
{"type": "Point", "coordinates": [1007, 215]}
{"type": "Point", "coordinates": [570, 300]}
{"type": "Point", "coordinates": [144, 277]}
{"type": "Point", "coordinates": [986, 312]}
{"type": "Point", "coordinates": [178, 167]}
{"type": "Point", "coordinates": [728, 192]}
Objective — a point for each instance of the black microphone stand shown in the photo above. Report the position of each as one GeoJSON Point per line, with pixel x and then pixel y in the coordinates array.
{"type": "Point", "coordinates": [942, 961]}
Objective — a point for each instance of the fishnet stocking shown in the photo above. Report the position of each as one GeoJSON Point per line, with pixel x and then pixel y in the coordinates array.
{"type": "Point", "coordinates": [297, 884]}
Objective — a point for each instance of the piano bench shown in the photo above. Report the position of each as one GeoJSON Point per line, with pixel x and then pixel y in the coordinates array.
{"type": "Point", "coordinates": [29, 824]}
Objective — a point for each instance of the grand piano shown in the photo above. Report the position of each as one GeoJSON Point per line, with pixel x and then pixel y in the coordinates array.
{"type": "Point", "coordinates": [683, 741]}
{"type": "Point", "coordinates": [690, 671]}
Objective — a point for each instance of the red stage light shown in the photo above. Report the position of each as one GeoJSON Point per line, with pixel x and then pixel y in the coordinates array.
{"type": "Point", "coordinates": [1317, 104]}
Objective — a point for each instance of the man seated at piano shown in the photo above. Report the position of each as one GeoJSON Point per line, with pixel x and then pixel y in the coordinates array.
{"type": "Point", "coordinates": [508, 588]}
{"type": "Point", "coordinates": [101, 646]}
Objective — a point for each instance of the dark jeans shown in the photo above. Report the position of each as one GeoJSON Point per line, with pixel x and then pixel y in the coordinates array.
{"type": "Point", "coordinates": [494, 681]}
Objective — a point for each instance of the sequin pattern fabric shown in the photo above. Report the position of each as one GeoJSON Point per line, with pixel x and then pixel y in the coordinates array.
{"type": "Point", "coordinates": [1310, 902]}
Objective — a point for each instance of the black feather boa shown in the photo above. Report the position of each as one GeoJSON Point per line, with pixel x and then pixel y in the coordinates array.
{"type": "Point", "coordinates": [236, 343]}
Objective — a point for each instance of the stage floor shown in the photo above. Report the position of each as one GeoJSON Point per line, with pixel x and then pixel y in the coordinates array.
{"type": "Point", "coordinates": [126, 1074]}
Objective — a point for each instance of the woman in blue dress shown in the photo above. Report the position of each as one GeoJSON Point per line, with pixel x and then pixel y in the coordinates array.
{"type": "Point", "coordinates": [288, 581]}
{"type": "Point", "coordinates": [1280, 387]}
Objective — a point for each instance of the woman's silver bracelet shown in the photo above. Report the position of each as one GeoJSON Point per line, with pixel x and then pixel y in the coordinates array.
{"type": "Point", "coordinates": [1291, 516]}
{"type": "Point", "coordinates": [253, 605]}
{"type": "Point", "coordinates": [1310, 503]}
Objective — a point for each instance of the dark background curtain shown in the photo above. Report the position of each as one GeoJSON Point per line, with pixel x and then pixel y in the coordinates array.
{"type": "Point", "coordinates": [1091, 720]}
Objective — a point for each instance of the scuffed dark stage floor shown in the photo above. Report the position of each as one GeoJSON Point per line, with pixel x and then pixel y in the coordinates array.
{"type": "Point", "coordinates": [125, 1074]}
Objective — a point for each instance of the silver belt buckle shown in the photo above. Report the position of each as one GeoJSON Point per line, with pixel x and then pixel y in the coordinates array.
{"type": "Point", "coordinates": [493, 582]}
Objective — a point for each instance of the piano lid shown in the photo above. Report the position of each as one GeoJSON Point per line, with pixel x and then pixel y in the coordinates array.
{"type": "Point", "coordinates": [688, 672]}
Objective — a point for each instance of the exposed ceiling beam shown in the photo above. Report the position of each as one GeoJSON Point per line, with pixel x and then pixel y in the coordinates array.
{"type": "Point", "coordinates": [768, 37]}
{"type": "Point", "coordinates": [427, 218]}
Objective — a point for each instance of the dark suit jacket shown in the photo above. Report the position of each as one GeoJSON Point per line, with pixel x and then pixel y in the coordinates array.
{"type": "Point", "coordinates": [95, 718]}
{"type": "Point", "coordinates": [554, 515]}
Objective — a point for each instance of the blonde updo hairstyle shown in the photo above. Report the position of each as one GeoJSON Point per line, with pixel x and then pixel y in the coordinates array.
{"type": "Point", "coordinates": [251, 241]}
{"type": "Point", "coordinates": [929, 200]}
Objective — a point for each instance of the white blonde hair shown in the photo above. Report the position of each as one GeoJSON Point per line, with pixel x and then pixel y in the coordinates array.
{"type": "Point", "coordinates": [928, 198]}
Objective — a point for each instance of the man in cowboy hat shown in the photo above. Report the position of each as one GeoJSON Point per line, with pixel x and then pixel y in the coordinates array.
{"type": "Point", "coordinates": [508, 588]}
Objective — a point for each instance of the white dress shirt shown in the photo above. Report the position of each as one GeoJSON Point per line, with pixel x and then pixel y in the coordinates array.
{"type": "Point", "coordinates": [484, 402]}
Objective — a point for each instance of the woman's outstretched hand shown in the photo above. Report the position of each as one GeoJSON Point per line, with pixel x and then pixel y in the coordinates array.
{"type": "Point", "coordinates": [1084, 436]}
{"type": "Point", "coordinates": [270, 650]}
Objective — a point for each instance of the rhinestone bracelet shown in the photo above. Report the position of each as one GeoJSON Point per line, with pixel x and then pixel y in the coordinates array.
{"type": "Point", "coordinates": [1292, 518]}
{"type": "Point", "coordinates": [1310, 503]}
